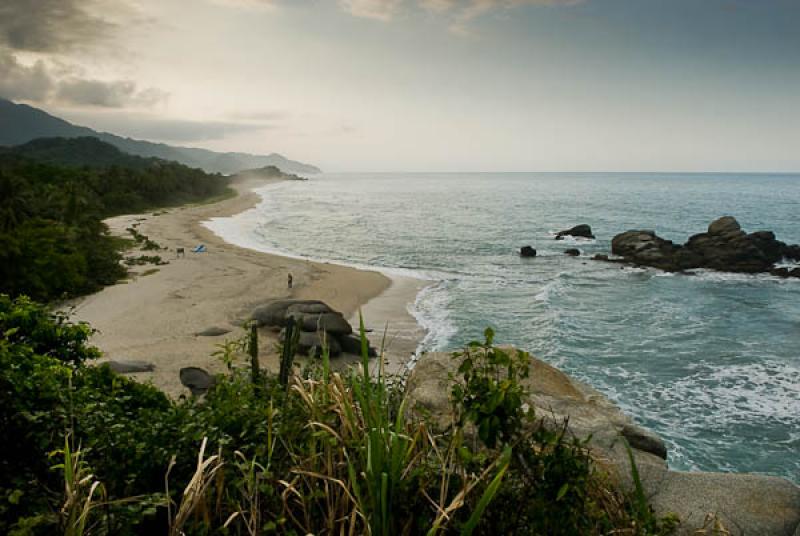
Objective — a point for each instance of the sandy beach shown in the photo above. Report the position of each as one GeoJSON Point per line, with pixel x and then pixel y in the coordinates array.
{"type": "Point", "coordinates": [154, 315]}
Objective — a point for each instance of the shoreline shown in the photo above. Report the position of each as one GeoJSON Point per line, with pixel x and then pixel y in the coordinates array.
{"type": "Point", "coordinates": [155, 314]}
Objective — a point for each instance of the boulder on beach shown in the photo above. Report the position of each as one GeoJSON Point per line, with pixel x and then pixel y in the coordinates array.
{"type": "Point", "coordinates": [579, 231]}
{"type": "Point", "coordinates": [351, 344]}
{"type": "Point", "coordinates": [527, 251]}
{"type": "Point", "coordinates": [311, 343]}
{"type": "Point", "coordinates": [128, 366]}
{"type": "Point", "coordinates": [197, 380]}
{"type": "Point", "coordinates": [331, 323]}
{"type": "Point", "coordinates": [724, 247]}
{"type": "Point", "coordinates": [273, 313]}
{"type": "Point", "coordinates": [213, 331]}
{"type": "Point", "coordinates": [572, 252]}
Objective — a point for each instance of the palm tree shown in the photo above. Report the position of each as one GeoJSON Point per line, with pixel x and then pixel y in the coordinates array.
{"type": "Point", "coordinates": [15, 201]}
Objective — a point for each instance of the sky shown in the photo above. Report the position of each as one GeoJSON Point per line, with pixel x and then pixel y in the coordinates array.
{"type": "Point", "coordinates": [425, 85]}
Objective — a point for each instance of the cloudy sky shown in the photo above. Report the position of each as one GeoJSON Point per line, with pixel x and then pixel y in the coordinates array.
{"type": "Point", "coordinates": [435, 85]}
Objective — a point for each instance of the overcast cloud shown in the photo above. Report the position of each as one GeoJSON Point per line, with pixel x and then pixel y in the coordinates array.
{"type": "Point", "coordinates": [395, 85]}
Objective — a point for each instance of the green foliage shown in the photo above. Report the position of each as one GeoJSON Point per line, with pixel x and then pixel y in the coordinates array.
{"type": "Point", "coordinates": [32, 327]}
{"type": "Point", "coordinates": [333, 453]}
{"type": "Point", "coordinates": [488, 393]}
{"type": "Point", "coordinates": [53, 243]}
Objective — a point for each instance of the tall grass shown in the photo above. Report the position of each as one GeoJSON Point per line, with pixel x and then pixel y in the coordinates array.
{"type": "Point", "coordinates": [83, 493]}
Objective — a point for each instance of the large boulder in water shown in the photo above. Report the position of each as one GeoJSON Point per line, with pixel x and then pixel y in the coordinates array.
{"type": "Point", "coordinates": [724, 247]}
{"type": "Point", "coordinates": [645, 248]}
{"type": "Point", "coordinates": [792, 253]}
{"type": "Point", "coordinates": [527, 251]}
{"type": "Point", "coordinates": [572, 252]}
{"type": "Point", "coordinates": [580, 231]}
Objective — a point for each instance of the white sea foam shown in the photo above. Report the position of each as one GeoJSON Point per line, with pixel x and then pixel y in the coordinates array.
{"type": "Point", "coordinates": [432, 313]}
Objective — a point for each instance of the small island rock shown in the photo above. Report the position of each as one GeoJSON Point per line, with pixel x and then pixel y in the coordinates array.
{"type": "Point", "coordinates": [724, 247]}
{"type": "Point", "coordinates": [527, 251]}
{"type": "Point", "coordinates": [580, 231]}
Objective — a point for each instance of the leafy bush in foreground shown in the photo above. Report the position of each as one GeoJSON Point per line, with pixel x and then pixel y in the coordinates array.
{"type": "Point", "coordinates": [324, 453]}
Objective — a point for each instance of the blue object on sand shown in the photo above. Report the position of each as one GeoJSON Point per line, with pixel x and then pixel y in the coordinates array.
{"type": "Point", "coordinates": [199, 249]}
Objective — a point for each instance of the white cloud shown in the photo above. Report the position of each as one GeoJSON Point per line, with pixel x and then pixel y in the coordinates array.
{"type": "Point", "coordinates": [20, 81]}
{"type": "Point", "coordinates": [383, 10]}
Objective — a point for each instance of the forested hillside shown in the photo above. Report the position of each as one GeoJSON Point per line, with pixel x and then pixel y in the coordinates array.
{"type": "Point", "coordinates": [54, 194]}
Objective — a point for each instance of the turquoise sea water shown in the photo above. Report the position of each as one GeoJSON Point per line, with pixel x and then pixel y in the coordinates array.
{"type": "Point", "coordinates": [711, 362]}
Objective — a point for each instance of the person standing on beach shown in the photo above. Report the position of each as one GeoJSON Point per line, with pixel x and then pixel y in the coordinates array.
{"type": "Point", "coordinates": [290, 280]}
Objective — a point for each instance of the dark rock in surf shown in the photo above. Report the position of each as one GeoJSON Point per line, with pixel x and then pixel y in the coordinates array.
{"type": "Point", "coordinates": [724, 247]}
{"type": "Point", "coordinates": [527, 251]}
{"type": "Point", "coordinates": [580, 231]}
{"type": "Point", "coordinates": [572, 252]}
{"type": "Point", "coordinates": [600, 257]}
{"type": "Point", "coordinates": [792, 252]}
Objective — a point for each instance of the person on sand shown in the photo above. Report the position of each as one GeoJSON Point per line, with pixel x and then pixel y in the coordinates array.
{"type": "Point", "coordinates": [290, 280]}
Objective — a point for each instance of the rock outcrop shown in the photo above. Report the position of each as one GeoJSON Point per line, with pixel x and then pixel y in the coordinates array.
{"type": "Point", "coordinates": [572, 252]}
{"type": "Point", "coordinates": [197, 380]}
{"type": "Point", "coordinates": [213, 331]}
{"type": "Point", "coordinates": [527, 251]}
{"type": "Point", "coordinates": [580, 231]}
{"type": "Point", "coordinates": [315, 320]}
{"type": "Point", "coordinates": [724, 247]}
{"type": "Point", "coordinates": [746, 504]}
{"type": "Point", "coordinates": [129, 366]}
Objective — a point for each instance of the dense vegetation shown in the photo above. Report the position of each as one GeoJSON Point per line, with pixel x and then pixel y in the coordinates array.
{"type": "Point", "coordinates": [91, 452]}
{"type": "Point", "coordinates": [54, 194]}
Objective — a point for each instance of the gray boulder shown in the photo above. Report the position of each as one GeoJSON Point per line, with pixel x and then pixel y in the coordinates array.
{"type": "Point", "coordinates": [197, 380]}
{"type": "Point", "coordinates": [310, 343]}
{"type": "Point", "coordinates": [330, 323]}
{"type": "Point", "coordinates": [351, 344]}
{"type": "Point", "coordinates": [309, 308]}
{"type": "Point", "coordinates": [273, 314]}
{"type": "Point", "coordinates": [581, 231]}
{"type": "Point", "coordinates": [745, 504]}
{"type": "Point", "coordinates": [128, 366]}
{"type": "Point", "coordinates": [212, 332]}
{"type": "Point", "coordinates": [645, 248]}
{"type": "Point", "coordinates": [527, 251]}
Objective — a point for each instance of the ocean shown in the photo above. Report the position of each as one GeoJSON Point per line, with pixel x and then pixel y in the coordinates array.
{"type": "Point", "coordinates": [709, 361]}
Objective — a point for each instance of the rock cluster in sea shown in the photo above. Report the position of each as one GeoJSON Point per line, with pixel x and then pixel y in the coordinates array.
{"type": "Point", "coordinates": [579, 231]}
{"type": "Point", "coordinates": [745, 503]}
{"type": "Point", "coordinates": [724, 247]}
{"type": "Point", "coordinates": [317, 322]}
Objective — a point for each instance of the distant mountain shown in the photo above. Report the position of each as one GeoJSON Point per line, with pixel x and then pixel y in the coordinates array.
{"type": "Point", "coordinates": [79, 152]}
{"type": "Point", "coordinates": [20, 124]}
